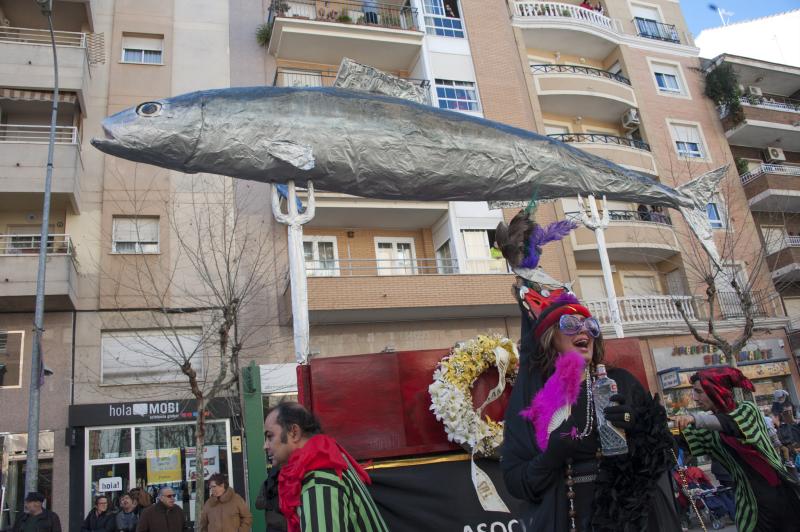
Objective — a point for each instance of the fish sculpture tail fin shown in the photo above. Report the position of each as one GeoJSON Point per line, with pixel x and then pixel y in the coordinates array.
{"type": "Point", "coordinates": [701, 191]}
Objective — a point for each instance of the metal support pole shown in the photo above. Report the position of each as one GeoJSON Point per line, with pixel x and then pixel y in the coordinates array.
{"type": "Point", "coordinates": [37, 364]}
{"type": "Point", "coordinates": [297, 267]}
{"type": "Point", "coordinates": [598, 224]}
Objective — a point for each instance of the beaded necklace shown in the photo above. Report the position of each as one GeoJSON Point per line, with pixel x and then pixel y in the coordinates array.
{"type": "Point", "coordinates": [587, 430]}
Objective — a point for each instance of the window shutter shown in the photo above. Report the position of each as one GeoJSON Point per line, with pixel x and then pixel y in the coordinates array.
{"type": "Point", "coordinates": [153, 43]}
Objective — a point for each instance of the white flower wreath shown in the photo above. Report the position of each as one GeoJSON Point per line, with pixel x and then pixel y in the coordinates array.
{"type": "Point", "coordinates": [451, 391]}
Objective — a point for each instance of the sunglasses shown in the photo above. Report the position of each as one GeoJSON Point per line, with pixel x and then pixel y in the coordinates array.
{"type": "Point", "coordinates": [571, 325]}
{"type": "Point", "coordinates": [170, 496]}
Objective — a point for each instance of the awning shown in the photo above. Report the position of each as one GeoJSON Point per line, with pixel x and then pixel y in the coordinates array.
{"type": "Point", "coordinates": [37, 96]}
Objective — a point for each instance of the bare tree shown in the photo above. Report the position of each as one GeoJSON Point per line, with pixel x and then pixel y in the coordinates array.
{"type": "Point", "coordinates": [192, 312]}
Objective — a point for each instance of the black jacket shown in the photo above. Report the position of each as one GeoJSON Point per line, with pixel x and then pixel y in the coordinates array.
{"type": "Point", "coordinates": [157, 518]}
{"type": "Point", "coordinates": [529, 474]}
{"type": "Point", "coordinates": [267, 500]}
{"type": "Point", "coordinates": [105, 522]}
{"type": "Point", "coordinates": [47, 522]}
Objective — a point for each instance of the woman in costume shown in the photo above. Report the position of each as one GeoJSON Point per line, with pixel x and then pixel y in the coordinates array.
{"type": "Point", "coordinates": [551, 451]}
{"type": "Point", "coordinates": [767, 497]}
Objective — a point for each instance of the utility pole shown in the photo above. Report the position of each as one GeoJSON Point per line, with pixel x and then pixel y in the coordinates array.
{"type": "Point", "coordinates": [599, 224]}
{"type": "Point", "coordinates": [37, 364]}
{"type": "Point", "coordinates": [294, 221]}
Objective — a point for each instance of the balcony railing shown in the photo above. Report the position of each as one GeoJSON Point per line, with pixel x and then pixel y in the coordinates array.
{"type": "Point", "coordinates": [33, 36]}
{"type": "Point", "coordinates": [652, 309]}
{"type": "Point", "coordinates": [731, 305]}
{"type": "Point", "coordinates": [367, 12]}
{"type": "Point", "coordinates": [629, 216]}
{"type": "Point", "coordinates": [772, 101]}
{"type": "Point", "coordinates": [557, 10]}
{"type": "Point", "coordinates": [572, 69]}
{"type": "Point", "coordinates": [290, 77]}
{"type": "Point", "coordinates": [601, 139]}
{"type": "Point", "coordinates": [418, 266]}
{"type": "Point", "coordinates": [13, 245]}
{"type": "Point", "coordinates": [651, 29]}
{"type": "Point", "coordinates": [37, 134]}
{"type": "Point", "coordinates": [769, 169]}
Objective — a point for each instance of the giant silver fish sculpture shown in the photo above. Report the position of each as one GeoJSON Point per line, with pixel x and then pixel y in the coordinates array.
{"type": "Point", "coordinates": [378, 146]}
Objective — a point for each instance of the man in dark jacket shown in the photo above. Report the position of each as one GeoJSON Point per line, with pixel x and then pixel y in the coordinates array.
{"type": "Point", "coordinates": [267, 500]}
{"type": "Point", "coordinates": [163, 516]}
{"type": "Point", "coordinates": [100, 518]}
{"type": "Point", "coordinates": [36, 518]}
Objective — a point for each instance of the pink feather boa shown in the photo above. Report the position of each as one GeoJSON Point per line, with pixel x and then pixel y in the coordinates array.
{"type": "Point", "coordinates": [561, 388]}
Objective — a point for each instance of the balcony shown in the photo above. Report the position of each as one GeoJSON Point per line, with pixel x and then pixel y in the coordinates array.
{"type": "Point", "coordinates": [767, 120]}
{"type": "Point", "coordinates": [785, 262]}
{"type": "Point", "coordinates": [630, 153]}
{"type": "Point", "coordinates": [578, 31]}
{"type": "Point", "coordinates": [631, 236]}
{"type": "Point", "coordinates": [293, 77]}
{"type": "Point", "coordinates": [650, 29]}
{"type": "Point", "coordinates": [583, 91]}
{"type": "Point", "coordinates": [421, 288]}
{"type": "Point", "coordinates": [773, 188]}
{"type": "Point", "coordinates": [19, 259]}
{"type": "Point", "coordinates": [23, 160]}
{"type": "Point", "coordinates": [646, 314]}
{"type": "Point", "coordinates": [26, 60]}
{"type": "Point", "coordinates": [382, 35]}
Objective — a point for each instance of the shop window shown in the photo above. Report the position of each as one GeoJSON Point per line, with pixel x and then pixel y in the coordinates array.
{"type": "Point", "coordinates": [134, 234]}
{"type": "Point", "coordinates": [457, 95]}
{"type": "Point", "coordinates": [149, 356]}
{"type": "Point", "coordinates": [109, 443]}
{"type": "Point", "coordinates": [11, 346]}
{"type": "Point", "coordinates": [143, 49]}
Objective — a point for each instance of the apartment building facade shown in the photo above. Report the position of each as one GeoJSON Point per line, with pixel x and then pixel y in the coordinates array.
{"type": "Point", "coordinates": [623, 81]}
{"type": "Point", "coordinates": [764, 136]}
{"type": "Point", "coordinates": [383, 275]}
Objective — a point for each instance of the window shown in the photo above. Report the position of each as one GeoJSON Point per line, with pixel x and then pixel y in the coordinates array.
{"type": "Point", "coordinates": [444, 259]}
{"type": "Point", "coordinates": [320, 256]}
{"type": "Point", "coordinates": [142, 49]}
{"type": "Point", "coordinates": [149, 356]}
{"type": "Point", "coordinates": [299, 78]}
{"type": "Point", "coordinates": [11, 345]}
{"type": "Point", "coordinates": [395, 256]}
{"type": "Point", "coordinates": [688, 141]}
{"type": "Point", "coordinates": [457, 95]}
{"type": "Point", "coordinates": [668, 78]}
{"type": "Point", "coordinates": [132, 234]}
{"type": "Point", "coordinates": [478, 245]}
{"type": "Point", "coordinates": [593, 288]}
{"type": "Point", "coordinates": [775, 238]}
{"type": "Point", "coordinates": [442, 18]}
{"type": "Point", "coordinates": [713, 216]}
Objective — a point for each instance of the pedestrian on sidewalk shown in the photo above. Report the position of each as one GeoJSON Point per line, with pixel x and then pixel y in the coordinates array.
{"type": "Point", "coordinates": [37, 518]}
{"type": "Point", "coordinates": [163, 516]}
{"type": "Point", "coordinates": [225, 510]}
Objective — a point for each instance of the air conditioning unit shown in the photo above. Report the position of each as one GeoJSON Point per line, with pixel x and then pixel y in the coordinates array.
{"type": "Point", "coordinates": [775, 155]}
{"type": "Point", "coordinates": [754, 91]}
{"type": "Point", "coordinates": [630, 120]}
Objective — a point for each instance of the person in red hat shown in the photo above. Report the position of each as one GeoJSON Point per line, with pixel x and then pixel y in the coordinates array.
{"type": "Point", "coordinates": [551, 450]}
{"type": "Point", "coordinates": [767, 496]}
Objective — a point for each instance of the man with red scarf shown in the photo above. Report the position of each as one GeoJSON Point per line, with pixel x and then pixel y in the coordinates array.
{"type": "Point", "coordinates": [320, 486]}
{"type": "Point", "coordinates": [767, 497]}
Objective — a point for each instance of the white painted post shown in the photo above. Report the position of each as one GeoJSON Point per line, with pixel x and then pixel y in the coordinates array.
{"type": "Point", "coordinates": [297, 266]}
{"type": "Point", "coordinates": [598, 225]}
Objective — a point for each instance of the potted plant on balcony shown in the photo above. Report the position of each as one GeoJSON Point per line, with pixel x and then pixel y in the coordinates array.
{"type": "Point", "coordinates": [281, 8]}
{"type": "Point", "coordinates": [263, 34]}
{"type": "Point", "coordinates": [344, 19]}
{"type": "Point", "coordinates": [722, 86]}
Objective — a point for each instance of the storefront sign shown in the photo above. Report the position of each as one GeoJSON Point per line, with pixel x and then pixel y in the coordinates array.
{"type": "Point", "coordinates": [163, 465]}
{"type": "Point", "coordinates": [763, 371]}
{"type": "Point", "coordinates": [143, 412]}
{"type": "Point", "coordinates": [210, 462]}
{"type": "Point", "coordinates": [670, 378]}
{"type": "Point", "coordinates": [110, 484]}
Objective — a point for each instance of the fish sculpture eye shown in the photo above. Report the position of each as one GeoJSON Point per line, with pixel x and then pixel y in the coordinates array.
{"type": "Point", "coordinates": [149, 109]}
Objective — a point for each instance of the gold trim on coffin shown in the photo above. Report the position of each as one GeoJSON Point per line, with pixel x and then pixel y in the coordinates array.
{"type": "Point", "coordinates": [461, 457]}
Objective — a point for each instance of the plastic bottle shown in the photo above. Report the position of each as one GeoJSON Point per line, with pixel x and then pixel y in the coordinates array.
{"type": "Point", "coordinates": [612, 439]}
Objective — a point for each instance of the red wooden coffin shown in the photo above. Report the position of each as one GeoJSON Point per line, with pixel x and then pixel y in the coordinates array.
{"type": "Point", "coordinates": [377, 405]}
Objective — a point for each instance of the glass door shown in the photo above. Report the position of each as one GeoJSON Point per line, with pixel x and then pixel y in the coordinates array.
{"type": "Point", "coordinates": [110, 479]}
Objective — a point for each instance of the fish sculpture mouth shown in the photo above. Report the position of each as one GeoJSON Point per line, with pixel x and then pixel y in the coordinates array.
{"type": "Point", "coordinates": [107, 141]}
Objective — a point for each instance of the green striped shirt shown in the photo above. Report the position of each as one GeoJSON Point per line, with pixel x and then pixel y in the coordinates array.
{"type": "Point", "coordinates": [754, 429]}
{"type": "Point", "coordinates": [333, 504]}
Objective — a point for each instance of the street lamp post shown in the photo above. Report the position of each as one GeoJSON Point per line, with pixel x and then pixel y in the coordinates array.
{"type": "Point", "coordinates": [37, 365]}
